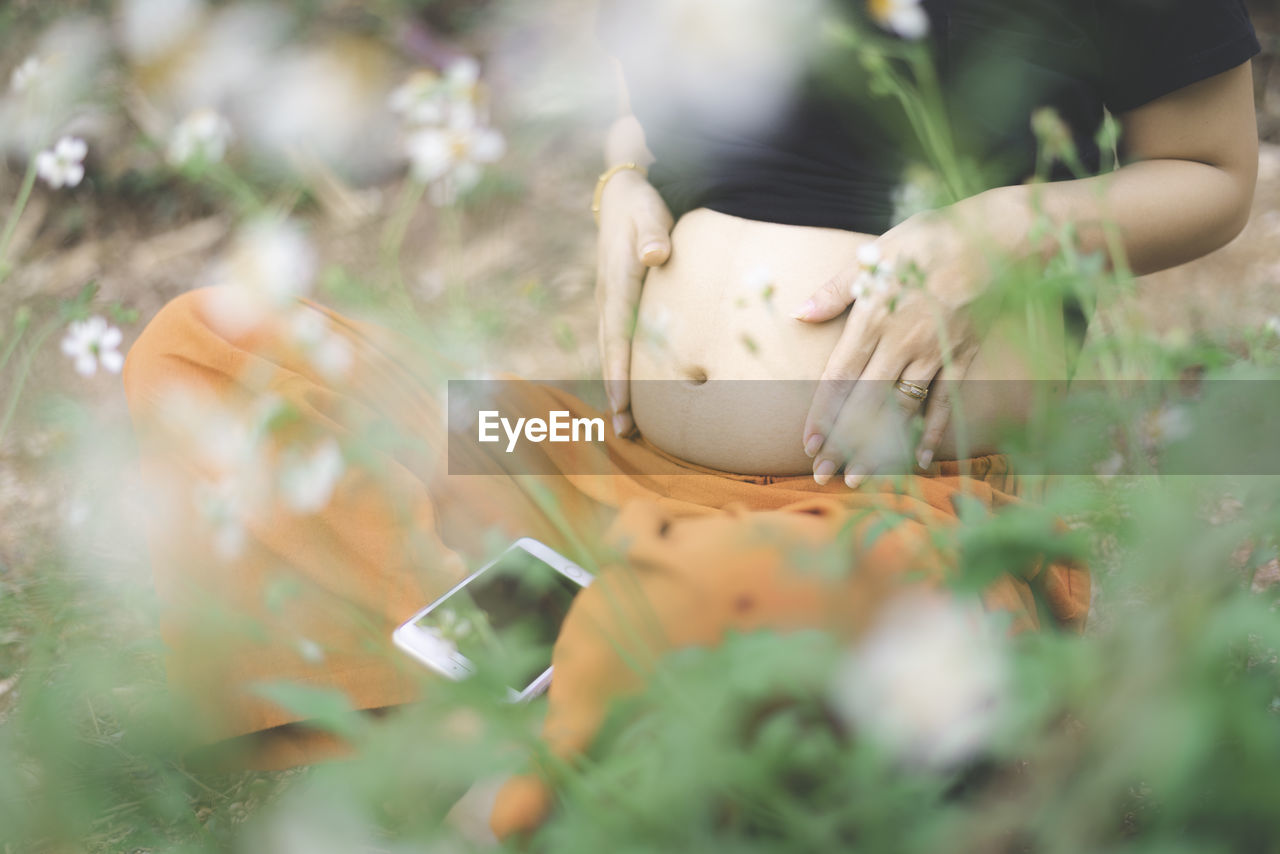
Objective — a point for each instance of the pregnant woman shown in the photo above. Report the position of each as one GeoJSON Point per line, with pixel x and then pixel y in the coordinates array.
{"type": "Point", "coordinates": [760, 359]}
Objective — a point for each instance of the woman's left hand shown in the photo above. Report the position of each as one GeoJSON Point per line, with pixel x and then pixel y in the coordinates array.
{"type": "Point", "coordinates": [910, 290]}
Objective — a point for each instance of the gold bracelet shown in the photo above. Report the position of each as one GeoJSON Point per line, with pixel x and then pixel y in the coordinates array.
{"type": "Point", "coordinates": [604, 179]}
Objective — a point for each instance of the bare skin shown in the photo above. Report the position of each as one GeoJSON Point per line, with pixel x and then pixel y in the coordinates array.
{"type": "Point", "coordinates": [1190, 161]}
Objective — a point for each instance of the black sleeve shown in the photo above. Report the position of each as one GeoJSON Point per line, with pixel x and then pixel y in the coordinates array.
{"type": "Point", "coordinates": [1153, 47]}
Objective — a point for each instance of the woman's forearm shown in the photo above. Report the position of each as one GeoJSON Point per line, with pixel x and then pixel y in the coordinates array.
{"type": "Point", "coordinates": [1191, 163]}
{"type": "Point", "coordinates": [1160, 213]}
{"type": "Point", "coordinates": [624, 143]}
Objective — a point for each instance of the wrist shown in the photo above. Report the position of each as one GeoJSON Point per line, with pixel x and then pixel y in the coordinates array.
{"type": "Point", "coordinates": [620, 175]}
{"type": "Point", "coordinates": [1014, 221]}
{"type": "Point", "coordinates": [624, 141]}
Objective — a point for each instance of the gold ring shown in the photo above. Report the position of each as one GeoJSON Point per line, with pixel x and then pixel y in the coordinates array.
{"type": "Point", "coordinates": [913, 390]}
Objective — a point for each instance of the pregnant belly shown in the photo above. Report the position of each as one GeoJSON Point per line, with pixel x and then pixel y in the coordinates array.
{"type": "Point", "coordinates": [722, 375]}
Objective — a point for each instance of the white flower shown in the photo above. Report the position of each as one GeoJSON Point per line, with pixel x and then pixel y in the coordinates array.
{"type": "Point", "coordinates": [876, 276]}
{"type": "Point", "coordinates": [205, 134]}
{"type": "Point", "coordinates": [450, 158]}
{"type": "Point", "coordinates": [307, 480]}
{"type": "Point", "coordinates": [418, 99]}
{"type": "Point", "coordinates": [271, 263]}
{"type": "Point", "coordinates": [462, 75]}
{"type": "Point", "coordinates": [929, 681]}
{"type": "Point", "coordinates": [222, 505]}
{"type": "Point", "coordinates": [869, 256]}
{"type": "Point", "coordinates": [1110, 467]}
{"type": "Point", "coordinates": [759, 280]}
{"type": "Point", "coordinates": [1273, 325]}
{"type": "Point", "coordinates": [905, 17]}
{"type": "Point", "coordinates": [319, 105]}
{"type": "Point", "coordinates": [63, 166]}
{"type": "Point", "coordinates": [919, 190]}
{"type": "Point", "coordinates": [731, 64]}
{"type": "Point", "coordinates": [327, 351]}
{"type": "Point", "coordinates": [1164, 425]}
{"type": "Point", "coordinates": [427, 98]}
{"type": "Point", "coordinates": [229, 446]}
{"type": "Point", "coordinates": [276, 259]}
{"type": "Point", "coordinates": [25, 75]}
{"type": "Point", "coordinates": [151, 29]}
{"type": "Point", "coordinates": [93, 342]}
{"type": "Point", "coordinates": [311, 652]}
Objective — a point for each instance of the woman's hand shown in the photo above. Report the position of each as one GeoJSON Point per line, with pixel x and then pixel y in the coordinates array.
{"type": "Point", "coordinates": [635, 234]}
{"type": "Point", "coordinates": [909, 291]}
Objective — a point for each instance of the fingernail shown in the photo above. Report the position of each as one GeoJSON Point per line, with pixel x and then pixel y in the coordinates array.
{"type": "Point", "coordinates": [812, 444]}
{"type": "Point", "coordinates": [804, 311]}
{"type": "Point", "coordinates": [854, 477]}
{"type": "Point", "coordinates": [924, 458]}
{"type": "Point", "coordinates": [651, 252]}
{"type": "Point", "coordinates": [823, 472]}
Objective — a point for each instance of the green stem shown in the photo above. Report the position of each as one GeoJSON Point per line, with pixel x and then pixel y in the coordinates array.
{"type": "Point", "coordinates": [245, 196]}
{"type": "Point", "coordinates": [11, 225]}
{"type": "Point", "coordinates": [393, 236]}
{"type": "Point", "coordinates": [13, 345]}
{"type": "Point", "coordinates": [938, 132]}
{"type": "Point", "coordinates": [21, 380]}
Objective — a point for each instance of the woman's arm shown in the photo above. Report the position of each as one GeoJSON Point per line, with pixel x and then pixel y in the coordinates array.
{"type": "Point", "coordinates": [1190, 164]}
{"type": "Point", "coordinates": [635, 234]}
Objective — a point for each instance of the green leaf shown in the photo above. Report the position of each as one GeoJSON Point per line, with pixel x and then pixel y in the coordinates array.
{"type": "Point", "coordinates": [322, 708]}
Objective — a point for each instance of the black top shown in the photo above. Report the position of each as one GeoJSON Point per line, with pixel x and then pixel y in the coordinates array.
{"type": "Point", "coordinates": [834, 154]}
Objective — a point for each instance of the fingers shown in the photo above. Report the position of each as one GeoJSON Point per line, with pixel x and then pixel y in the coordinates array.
{"type": "Point", "coordinates": [624, 259]}
{"type": "Point", "coordinates": [868, 432]}
{"type": "Point", "coordinates": [919, 373]}
{"type": "Point", "coordinates": [617, 296]}
{"type": "Point", "coordinates": [941, 404]}
{"type": "Point", "coordinates": [828, 301]}
{"type": "Point", "coordinates": [851, 354]}
{"type": "Point", "coordinates": [653, 226]}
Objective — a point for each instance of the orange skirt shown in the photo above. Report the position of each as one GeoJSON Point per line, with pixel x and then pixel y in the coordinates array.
{"type": "Point", "coordinates": [318, 575]}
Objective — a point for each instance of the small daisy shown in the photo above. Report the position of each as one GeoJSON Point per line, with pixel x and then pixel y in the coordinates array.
{"type": "Point", "coordinates": [417, 100]}
{"type": "Point", "coordinates": [1110, 467]}
{"type": "Point", "coordinates": [930, 681]}
{"type": "Point", "coordinates": [905, 17]}
{"type": "Point", "coordinates": [1273, 325]}
{"type": "Point", "coordinates": [25, 74]}
{"type": "Point", "coordinates": [450, 158]}
{"type": "Point", "coordinates": [92, 342]}
{"type": "Point", "coordinates": [63, 166]}
{"type": "Point", "coordinates": [877, 276]}
{"type": "Point", "coordinates": [310, 651]}
{"type": "Point", "coordinates": [328, 352]}
{"type": "Point", "coordinates": [759, 281]}
{"type": "Point", "coordinates": [428, 98]}
{"type": "Point", "coordinates": [204, 135]}
{"type": "Point", "coordinates": [1165, 425]}
{"type": "Point", "coordinates": [271, 263]}
{"type": "Point", "coordinates": [307, 480]}
{"type": "Point", "coordinates": [222, 504]}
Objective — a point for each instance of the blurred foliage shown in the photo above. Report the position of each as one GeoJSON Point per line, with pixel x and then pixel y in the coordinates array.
{"type": "Point", "coordinates": [1158, 731]}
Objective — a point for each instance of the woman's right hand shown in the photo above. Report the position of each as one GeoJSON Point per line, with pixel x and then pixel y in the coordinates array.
{"type": "Point", "coordinates": [635, 234]}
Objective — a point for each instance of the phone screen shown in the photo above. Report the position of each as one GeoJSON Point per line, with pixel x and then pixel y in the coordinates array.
{"type": "Point", "coordinates": [508, 617]}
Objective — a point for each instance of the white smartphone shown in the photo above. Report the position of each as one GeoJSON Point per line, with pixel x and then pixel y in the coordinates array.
{"type": "Point", "coordinates": [506, 614]}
